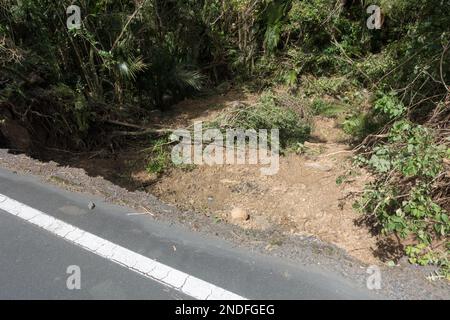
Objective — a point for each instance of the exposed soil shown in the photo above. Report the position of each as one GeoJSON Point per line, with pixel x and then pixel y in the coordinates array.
{"type": "Point", "coordinates": [311, 195]}
{"type": "Point", "coordinates": [290, 213]}
{"type": "Point", "coordinates": [304, 198]}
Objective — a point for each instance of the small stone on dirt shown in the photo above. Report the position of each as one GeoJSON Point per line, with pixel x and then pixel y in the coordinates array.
{"type": "Point", "coordinates": [319, 166]}
{"type": "Point", "coordinates": [239, 215]}
{"type": "Point", "coordinates": [228, 181]}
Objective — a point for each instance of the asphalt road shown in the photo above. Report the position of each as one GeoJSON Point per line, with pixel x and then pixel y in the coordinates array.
{"type": "Point", "coordinates": [34, 261]}
{"type": "Point", "coordinates": [34, 265]}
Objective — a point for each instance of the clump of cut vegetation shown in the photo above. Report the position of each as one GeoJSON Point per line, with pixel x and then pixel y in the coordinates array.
{"type": "Point", "coordinates": [331, 86]}
{"type": "Point", "coordinates": [272, 112]}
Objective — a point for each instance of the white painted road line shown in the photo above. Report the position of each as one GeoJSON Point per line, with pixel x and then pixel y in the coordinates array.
{"type": "Point", "coordinates": [145, 266]}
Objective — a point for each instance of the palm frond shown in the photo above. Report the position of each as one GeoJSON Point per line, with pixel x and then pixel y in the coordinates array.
{"type": "Point", "coordinates": [186, 77]}
{"type": "Point", "coordinates": [129, 69]}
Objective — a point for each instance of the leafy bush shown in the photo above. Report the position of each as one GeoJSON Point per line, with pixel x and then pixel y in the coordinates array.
{"type": "Point", "coordinates": [359, 125]}
{"type": "Point", "coordinates": [389, 106]}
{"type": "Point", "coordinates": [402, 199]}
{"type": "Point", "coordinates": [160, 157]}
{"type": "Point", "coordinates": [386, 108]}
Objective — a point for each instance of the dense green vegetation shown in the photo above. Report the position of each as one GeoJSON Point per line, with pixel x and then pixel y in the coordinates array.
{"type": "Point", "coordinates": [82, 88]}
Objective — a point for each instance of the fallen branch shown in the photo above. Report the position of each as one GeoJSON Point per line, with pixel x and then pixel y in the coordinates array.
{"type": "Point", "coordinates": [132, 125]}
{"type": "Point", "coordinates": [144, 130]}
{"type": "Point", "coordinates": [140, 133]}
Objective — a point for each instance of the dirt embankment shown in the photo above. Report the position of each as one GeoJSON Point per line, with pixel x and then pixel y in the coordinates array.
{"type": "Point", "coordinates": [311, 195]}
{"type": "Point", "coordinates": [296, 213]}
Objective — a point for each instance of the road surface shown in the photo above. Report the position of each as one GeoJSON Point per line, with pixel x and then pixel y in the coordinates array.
{"type": "Point", "coordinates": [124, 255]}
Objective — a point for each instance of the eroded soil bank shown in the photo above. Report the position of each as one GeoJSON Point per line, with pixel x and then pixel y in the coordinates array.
{"type": "Point", "coordinates": [311, 195]}
{"type": "Point", "coordinates": [304, 212]}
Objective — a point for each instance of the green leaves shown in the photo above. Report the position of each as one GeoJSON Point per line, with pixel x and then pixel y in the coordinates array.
{"type": "Point", "coordinates": [411, 156]}
{"type": "Point", "coordinates": [271, 112]}
{"type": "Point", "coordinates": [186, 77]}
{"type": "Point", "coordinates": [129, 69]}
{"type": "Point", "coordinates": [274, 15]}
{"type": "Point", "coordinates": [380, 160]}
{"type": "Point", "coordinates": [160, 157]}
{"type": "Point", "coordinates": [390, 106]}
{"type": "Point", "coordinates": [411, 152]}
{"type": "Point", "coordinates": [415, 153]}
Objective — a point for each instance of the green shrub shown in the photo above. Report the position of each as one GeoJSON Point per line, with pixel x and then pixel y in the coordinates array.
{"type": "Point", "coordinates": [389, 106]}
{"type": "Point", "coordinates": [359, 125]}
{"type": "Point", "coordinates": [386, 108]}
{"type": "Point", "coordinates": [402, 198]}
{"type": "Point", "coordinates": [160, 157]}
